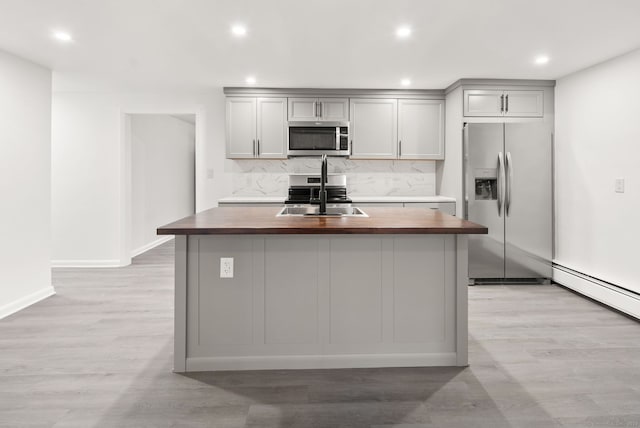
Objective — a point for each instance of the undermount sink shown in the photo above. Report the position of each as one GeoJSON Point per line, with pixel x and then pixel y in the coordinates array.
{"type": "Point", "coordinates": [314, 211]}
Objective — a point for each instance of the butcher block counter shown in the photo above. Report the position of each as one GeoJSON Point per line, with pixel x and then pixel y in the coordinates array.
{"type": "Point", "coordinates": [263, 220]}
{"type": "Point", "coordinates": [258, 291]}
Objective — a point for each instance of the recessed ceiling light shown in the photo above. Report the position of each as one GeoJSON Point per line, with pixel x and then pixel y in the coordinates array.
{"type": "Point", "coordinates": [542, 59]}
{"type": "Point", "coordinates": [239, 30]}
{"type": "Point", "coordinates": [403, 32]}
{"type": "Point", "coordinates": [250, 80]}
{"type": "Point", "coordinates": [405, 82]}
{"type": "Point", "coordinates": [62, 36]}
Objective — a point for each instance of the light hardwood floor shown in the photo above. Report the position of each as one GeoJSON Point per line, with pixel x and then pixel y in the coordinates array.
{"type": "Point", "coordinates": [98, 354]}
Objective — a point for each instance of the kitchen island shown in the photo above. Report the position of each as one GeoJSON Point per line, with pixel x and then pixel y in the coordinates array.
{"type": "Point", "coordinates": [387, 290]}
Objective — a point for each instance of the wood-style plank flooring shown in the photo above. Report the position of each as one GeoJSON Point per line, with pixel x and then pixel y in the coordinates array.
{"type": "Point", "coordinates": [99, 354]}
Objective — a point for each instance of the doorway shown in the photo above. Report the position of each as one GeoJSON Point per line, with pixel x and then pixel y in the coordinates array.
{"type": "Point", "coordinates": [162, 175]}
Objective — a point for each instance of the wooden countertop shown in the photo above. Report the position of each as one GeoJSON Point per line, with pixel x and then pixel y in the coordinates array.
{"type": "Point", "coordinates": [263, 220]}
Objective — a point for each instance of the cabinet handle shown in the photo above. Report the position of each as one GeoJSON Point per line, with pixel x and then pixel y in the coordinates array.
{"type": "Point", "coordinates": [351, 151]}
{"type": "Point", "coordinates": [399, 148]}
{"type": "Point", "coordinates": [502, 103]}
{"type": "Point", "coordinates": [506, 104]}
{"type": "Point", "coordinates": [258, 147]}
{"type": "Point", "coordinates": [320, 109]}
{"type": "Point", "coordinates": [315, 109]}
{"type": "Point", "coordinates": [254, 148]}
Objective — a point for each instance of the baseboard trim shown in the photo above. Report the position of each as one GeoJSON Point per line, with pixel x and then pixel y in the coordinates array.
{"type": "Point", "coordinates": [86, 263]}
{"type": "Point", "coordinates": [320, 361]}
{"type": "Point", "coordinates": [150, 245]}
{"type": "Point", "coordinates": [598, 290]}
{"type": "Point", "coordinates": [23, 302]}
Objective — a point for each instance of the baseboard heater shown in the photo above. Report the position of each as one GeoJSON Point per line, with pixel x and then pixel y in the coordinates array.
{"type": "Point", "coordinates": [599, 290]}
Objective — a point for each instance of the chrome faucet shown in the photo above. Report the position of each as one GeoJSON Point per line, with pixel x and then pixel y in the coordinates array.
{"type": "Point", "coordinates": [323, 191]}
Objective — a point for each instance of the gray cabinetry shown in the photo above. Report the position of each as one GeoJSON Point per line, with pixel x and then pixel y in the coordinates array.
{"type": "Point", "coordinates": [367, 300]}
{"type": "Point", "coordinates": [329, 109]}
{"type": "Point", "coordinates": [420, 129]}
{"type": "Point", "coordinates": [250, 204]}
{"type": "Point", "coordinates": [374, 128]}
{"type": "Point", "coordinates": [241, 127]}
{"type": "Point", "coordinates": [256, 127]}
{"type": "Point", "coordinates": [505, 103]}
{"type": "Point", "coordinates": [397, 129]}
{"type": "Point", "coordinates": [445, 207]}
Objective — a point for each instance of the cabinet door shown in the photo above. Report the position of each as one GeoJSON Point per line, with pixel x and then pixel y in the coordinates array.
{"type": "Point", "coordinates": [483, 103]}
{"type": "Point", "coordinates": [421, 129]}
{"type": "Point", "coordinates": [374, 128]}
{"type": "Point", "coordinates": [272, 128]}
{"type": "Point", "coordinates": [523, 103]}
{"type": "Point", "coordinates": [302, 108]}
{"type": "Point", "coordinates": [241, 127]}
{"type": "Point", "coordinates": [334, 109]}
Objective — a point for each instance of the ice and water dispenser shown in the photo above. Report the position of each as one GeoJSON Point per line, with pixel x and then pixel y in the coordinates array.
{"type": "Point", "coordinates": [486, 184]}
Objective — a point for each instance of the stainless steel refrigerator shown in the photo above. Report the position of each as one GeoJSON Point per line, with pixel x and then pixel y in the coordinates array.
{"type": "Point", "coordinates": [508, 188]}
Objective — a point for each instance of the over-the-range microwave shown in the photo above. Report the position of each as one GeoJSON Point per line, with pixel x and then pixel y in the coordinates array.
{"type": "Point", "coordinates": [317, 138]}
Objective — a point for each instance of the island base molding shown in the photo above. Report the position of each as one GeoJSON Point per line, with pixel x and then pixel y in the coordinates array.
{"type": "Point", "coordinates": [320, 301]}
{"type": "Point", "coordinates": [320, 362]}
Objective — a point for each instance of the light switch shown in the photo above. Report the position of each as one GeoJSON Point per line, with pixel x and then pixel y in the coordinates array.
{"type": "Point", "coordinates": [620, 185]}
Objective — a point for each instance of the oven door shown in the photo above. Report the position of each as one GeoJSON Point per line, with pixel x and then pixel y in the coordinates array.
{"type": "Point", "coordinates": [310, 139]}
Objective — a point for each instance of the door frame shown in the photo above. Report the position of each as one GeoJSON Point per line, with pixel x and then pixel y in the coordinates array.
{"type": "Point", "coordinates": [125, 209]}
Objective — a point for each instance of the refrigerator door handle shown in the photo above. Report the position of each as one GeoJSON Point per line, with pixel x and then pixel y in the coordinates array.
{"type": "Point", "coordinates": [501, 183]}
{"type": "Point", "coordinates": [509, 168]}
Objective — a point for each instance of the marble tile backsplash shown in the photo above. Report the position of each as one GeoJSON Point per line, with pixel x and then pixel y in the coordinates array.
{"type": "Point", "coordinates": [364, 177]}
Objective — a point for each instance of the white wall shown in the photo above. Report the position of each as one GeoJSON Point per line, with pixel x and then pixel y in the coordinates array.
{"type": "Point", "coordinates": [162, 175]}
{"type": "Point", "coordinates": [90, 160]}
{"type": "Point", "coordinates": [597, 140]}
{"type": "Point", "coordinates": [450, 170]}
{"type": "Point", "coordinates": [90, 163]}
{"type": "Point", "coordinates": [25, 158]}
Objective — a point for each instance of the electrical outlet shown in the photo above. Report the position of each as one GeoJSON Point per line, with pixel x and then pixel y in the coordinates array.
{"type": "Point", "coordinates": [620, 185]}
{"type": "Point", "coordinates": [226, 267]}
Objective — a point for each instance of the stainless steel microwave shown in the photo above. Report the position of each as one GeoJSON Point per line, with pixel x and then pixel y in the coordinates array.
{"type": "Point", "coordinates": [317, 138]}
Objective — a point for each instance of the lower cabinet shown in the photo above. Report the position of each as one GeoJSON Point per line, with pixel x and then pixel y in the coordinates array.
{"type": "Point", "coordinates": [446, 207]}
{"type": "Point", "coordinates": [322, 301]}
{"type": "Point", "coordinates": [379, 204]}
{"type": "Point", "coordinates": [249, 204]}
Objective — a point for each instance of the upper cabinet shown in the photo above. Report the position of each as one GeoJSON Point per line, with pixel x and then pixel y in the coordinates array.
{"type": "Point", "coordinates": [256, 127]}
{"type": "Point", "coordinates": [374, 128]}
{"type": "Point", "coordinates": [504, 103]}
{"type": "Point", "coordinates": [319, 109]}
{"type": "Point", "coordinates": [420, 129]}
{"type": "Point", "coordinates": [397, 129]}
{"type": "Point", "coordinates": [383, 124]}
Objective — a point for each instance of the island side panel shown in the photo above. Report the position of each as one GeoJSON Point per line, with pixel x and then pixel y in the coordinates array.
{"type": "Point", "coordinates": [180, 305]}
{"type": "Point", "coordinates": [462, 301]}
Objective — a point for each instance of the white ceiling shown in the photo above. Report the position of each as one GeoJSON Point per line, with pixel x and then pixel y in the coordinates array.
{"type": "Point", "coordinates": [187, 44]}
